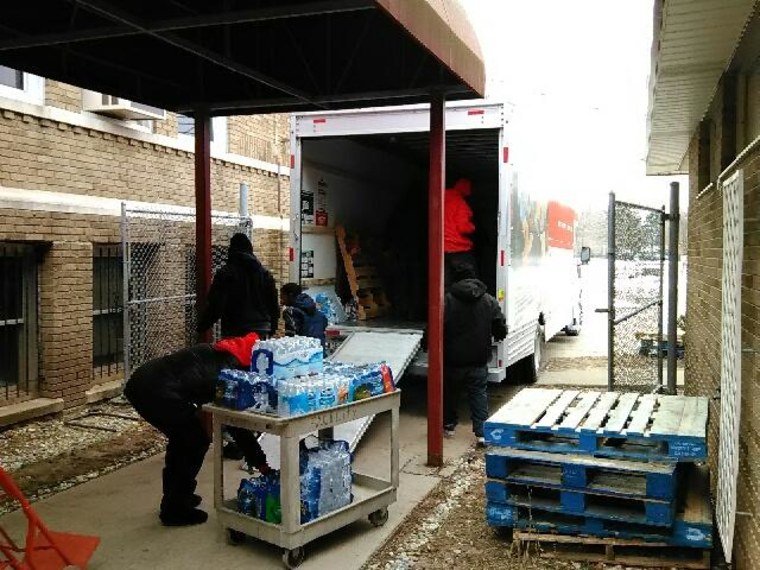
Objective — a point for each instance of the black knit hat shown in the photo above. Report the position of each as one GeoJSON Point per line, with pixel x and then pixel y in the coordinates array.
{"type": "Point", "coordinates": [240, 242]}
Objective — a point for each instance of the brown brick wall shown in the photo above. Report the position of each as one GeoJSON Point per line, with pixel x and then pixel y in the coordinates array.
{"type": "Point", "coordinates": [45, 155]}
{"type": "Point", "coordinates": [63, 96]}
{"type": "Point", "coordinates": [65, 294]}
{"type": "Point", "coordinates": [38, 154]}
{"type": "Point", "coordinates": [703, 354]}
{"type": "Point", "coordinates": [264, 137]}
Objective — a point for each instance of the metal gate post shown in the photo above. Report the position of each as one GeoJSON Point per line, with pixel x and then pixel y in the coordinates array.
{"type": "Point", "coordinates": [674, 217]}
{"type": "Point", "coordinates": [660, 314]}
{"type": "Point", "coordinates": [611, 293]}
{"type": "Point", "coordinates": [435, 280]}
{"type": "Point", "coordinates": [125, 272]}
{"type": "Point", "coordinates": [203, 211]}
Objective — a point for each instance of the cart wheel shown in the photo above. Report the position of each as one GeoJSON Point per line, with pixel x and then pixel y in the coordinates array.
{"type": "Point", "coordinates": [379, 517]}
{"type": "Point", "coordinates": [293, 558]}
{"type": "Point", "coordinates": [235, 537]}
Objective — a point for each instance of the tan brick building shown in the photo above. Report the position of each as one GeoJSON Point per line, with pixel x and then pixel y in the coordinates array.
{"type": "Point", "coordinates": [705, 121]}
{"type": "Point", "coordinates": [68, 159]}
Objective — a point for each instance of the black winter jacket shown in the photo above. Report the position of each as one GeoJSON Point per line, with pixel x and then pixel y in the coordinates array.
{"type": "Point", "coordinates": [304, 319]}
{"type": "Point", "coordinates": [244, 295]}
{"type": "Point", "coordinates": [188, 375]}
{"type": "Point", "coordinates": [471, 318]}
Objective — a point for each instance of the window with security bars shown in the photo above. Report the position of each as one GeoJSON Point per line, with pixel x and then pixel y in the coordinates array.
{"type": "Point", "coordinates": [18, 321]}
{"type": "Point", "coordinates": [107, 313]}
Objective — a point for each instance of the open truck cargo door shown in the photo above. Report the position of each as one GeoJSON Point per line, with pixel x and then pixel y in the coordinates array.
{"type": "Point", "coordinates": [397, 349]}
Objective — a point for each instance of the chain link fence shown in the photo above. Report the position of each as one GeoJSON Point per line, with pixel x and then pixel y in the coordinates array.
{"type": "Point", "coordinates": [160, 278]}
{"type": "Point", "coordinates": [637, 297]}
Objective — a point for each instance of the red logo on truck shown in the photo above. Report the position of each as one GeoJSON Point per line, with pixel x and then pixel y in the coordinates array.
{"type": "Point", "coordinates": [560, 225]}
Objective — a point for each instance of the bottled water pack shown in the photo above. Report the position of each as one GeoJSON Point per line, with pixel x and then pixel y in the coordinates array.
{"type": "Point", "coordinates": [325, 485]}
{"type": "Point", "coordinates": [241, 390]}
{"type": "Point", "coordinates": [287, 357]}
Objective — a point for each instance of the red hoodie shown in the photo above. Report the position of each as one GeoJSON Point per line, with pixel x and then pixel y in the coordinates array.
{"type": "Point", "coordinates": [239, 347]}
{"type": "Point", "coordinates": [457, 218]}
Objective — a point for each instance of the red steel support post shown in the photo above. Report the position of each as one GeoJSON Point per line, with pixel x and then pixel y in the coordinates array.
{"type": "Point", "coordinates": [203, 211]}
{"type": "Point", "coordinates": [435, 279]}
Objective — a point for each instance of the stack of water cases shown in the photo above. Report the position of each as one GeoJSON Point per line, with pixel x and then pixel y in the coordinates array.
{"type": "Point", "coordinates": [602, 476]}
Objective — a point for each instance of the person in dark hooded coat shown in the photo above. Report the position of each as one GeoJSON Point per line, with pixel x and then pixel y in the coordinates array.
{"type": "Point", "coordinates": [472, 318]}
{"type": "Point", "coordinates": [168, 393]}
{"type": "Point", "coordinates": [243, 294]}
{"type": "Point", "coordinates": [302, 318]}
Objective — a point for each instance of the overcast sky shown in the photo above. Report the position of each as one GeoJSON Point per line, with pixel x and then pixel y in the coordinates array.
{"type": "Point", "coordinates": [576, 72]}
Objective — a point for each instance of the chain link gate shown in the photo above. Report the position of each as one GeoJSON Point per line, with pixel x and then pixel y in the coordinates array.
{"type": "Point", "coordinates": [635, 297]}
{"type": "Point", "coordinates": [159, 264]}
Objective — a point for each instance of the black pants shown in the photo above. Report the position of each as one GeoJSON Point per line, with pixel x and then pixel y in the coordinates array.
{"type": "Point", "coordinates": [474, 380]}
{"type": "Point", "coordinates": [188, 443]}
{"type": "Point", "coordinates": [452, 260]}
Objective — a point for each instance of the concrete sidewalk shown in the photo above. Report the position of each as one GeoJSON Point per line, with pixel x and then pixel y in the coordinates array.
{"type": "Point", "coordinates": [121, 507]}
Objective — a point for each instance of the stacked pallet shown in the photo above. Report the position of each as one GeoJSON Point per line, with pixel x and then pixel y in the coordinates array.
{"type": "Point", "coordinates": [363, 281]}
{"type": "Point", "coordinates": [602, 476]}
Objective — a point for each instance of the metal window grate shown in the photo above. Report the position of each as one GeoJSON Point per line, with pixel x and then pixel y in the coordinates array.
{"type": "Point", "coordinates": [731, 359]}
{"type": "Point", "coordinates": [107, 319]}
{"type": "Point", "coordinates": [18, 321]}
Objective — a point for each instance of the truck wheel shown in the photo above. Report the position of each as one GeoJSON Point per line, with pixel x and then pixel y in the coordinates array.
{"type": "Point", "coordinates": [527, 368]}
{"type": "Point", "coordinates": [538, 360]}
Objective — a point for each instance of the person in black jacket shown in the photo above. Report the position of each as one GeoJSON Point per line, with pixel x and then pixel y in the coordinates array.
{"type": "Point", "coordinates": [300, 313]}
{"type": "Point", "coordinates": [243, 294]}
{"type": "Point", "coordinates": [168, 393]}
{"type": "Point", "coordinates": [472, 318]}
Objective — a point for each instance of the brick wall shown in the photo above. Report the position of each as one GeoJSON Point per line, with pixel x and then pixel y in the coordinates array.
{"type": "Point", "coordinates": [45, 155]}
{"type": "Point", "coordinates": [63, 96]}
{"type": "Point", "coordinates": [40, 154]}
{"type": "Point", "coordinates": [65, 294]}
{"type": "Point", "coordinates": [264, 137]}
{"type": "Point", "coordinates": [703, 354]}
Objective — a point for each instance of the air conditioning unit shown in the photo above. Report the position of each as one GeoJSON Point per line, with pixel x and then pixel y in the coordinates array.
{"type": "Point", "coordinates": [120, 108]}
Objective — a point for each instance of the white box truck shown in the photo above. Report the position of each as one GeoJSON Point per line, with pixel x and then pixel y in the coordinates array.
{"type": "Point", "coordinates": [366, 170]}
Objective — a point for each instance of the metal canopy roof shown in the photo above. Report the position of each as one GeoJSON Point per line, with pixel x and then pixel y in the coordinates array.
{"type": "Point", "coordinates": [694, 42]}
{"type": "Point", "coordinates": [248, 56]}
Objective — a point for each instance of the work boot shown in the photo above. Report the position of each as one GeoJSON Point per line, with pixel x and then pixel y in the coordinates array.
{"type": "Point", "coordinates": [182, 517]}
{"type": "Point", "coordinates": [195, 500]}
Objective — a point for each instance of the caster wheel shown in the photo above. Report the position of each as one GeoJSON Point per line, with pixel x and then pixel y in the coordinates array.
{"type": "Point", "coordinates": [293, 558]}
{"type": "Point", "coordinates": [235, 537]}
{"type": "Point", "coordinates": [379, 517]}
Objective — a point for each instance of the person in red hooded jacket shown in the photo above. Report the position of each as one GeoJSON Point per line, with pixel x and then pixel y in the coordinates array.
{"type": "Point", "coordinates": [168, 393]}
{"type": "Point", "coordinates": [457, 228]}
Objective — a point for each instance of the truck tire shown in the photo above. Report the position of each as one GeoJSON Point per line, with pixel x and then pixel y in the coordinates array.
{"type": "Point", "coordinates": [529, 367]}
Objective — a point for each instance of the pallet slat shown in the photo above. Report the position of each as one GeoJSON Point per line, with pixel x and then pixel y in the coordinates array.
{"type": "Point", "coordinates": [615, 551]}
{"type": "Point", "coordinates": [625, 509]}
{"type": "Point", "coordinates": [579, 412]}
{"type": "Point", "coordinates": [601, 476]}
{"type": "Point", "coordinates": [600, 411]}
{"type": "Point", "coordinates": [641, 416]}
{"type": "Point", "coordinates": [555, 411]}
{"type": "Point", "coordinates": [632, 426]}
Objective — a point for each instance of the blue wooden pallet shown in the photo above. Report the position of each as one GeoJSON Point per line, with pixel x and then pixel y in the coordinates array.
{"type": "Point", "coordinates": [632, 426]}
{"type": "Point", "coordinates": [692, 526]}
{"type": "Point", "coordinates": [594, 475]}
{"type": "Point", "coordinates": [575, 502]}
